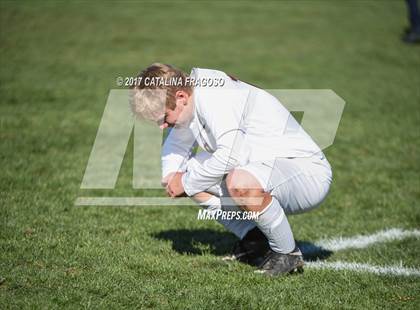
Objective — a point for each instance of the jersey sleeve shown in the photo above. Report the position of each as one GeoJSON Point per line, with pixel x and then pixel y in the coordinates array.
{"type": "Point", "coordinates": [176, 150]}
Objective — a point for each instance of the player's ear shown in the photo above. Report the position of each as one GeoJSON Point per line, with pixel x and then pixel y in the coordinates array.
{"type": "Point", "coordinates": [181, 97]}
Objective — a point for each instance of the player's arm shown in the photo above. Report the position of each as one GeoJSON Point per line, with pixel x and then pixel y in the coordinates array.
{"type": "Point", "coordinates": [175, 152]}
{"type": "Point", "coordinates": [220, 163]}
{"type": "Point", "coordinates": [223, 113]}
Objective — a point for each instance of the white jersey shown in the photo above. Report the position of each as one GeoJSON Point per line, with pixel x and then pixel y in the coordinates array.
{"type": "Point", "coordinates": [237, 123]}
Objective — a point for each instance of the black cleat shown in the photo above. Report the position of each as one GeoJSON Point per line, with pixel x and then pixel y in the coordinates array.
{"type": "Point", "coordinates": [277, 264]}
{"type": "Point", "coordinates": [251, 249]}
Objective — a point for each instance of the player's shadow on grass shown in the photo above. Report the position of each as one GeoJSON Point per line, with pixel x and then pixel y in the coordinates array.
{"type": "Point", "coordinates": [198, 241]}
{"type": "Point", "coordinates": [312, 252]}
{"type": "Point", "coordinates": [201, 241]}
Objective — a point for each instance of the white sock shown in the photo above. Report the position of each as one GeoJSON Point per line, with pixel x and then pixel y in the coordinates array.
{"type": "Point", "coordinates": [238, 227]}
{"type": "Point", "coordinates": [272, 221]}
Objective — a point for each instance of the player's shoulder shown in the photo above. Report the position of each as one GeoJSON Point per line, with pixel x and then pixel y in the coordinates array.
{"type": "Point", "coordinates": [209, 85]}
{"type": "Point", "coordinates": [210, 79]}
{"type": "Point", "coordinates": [224, 95]}
{"type": "Point", "coordinates": [208, 73]}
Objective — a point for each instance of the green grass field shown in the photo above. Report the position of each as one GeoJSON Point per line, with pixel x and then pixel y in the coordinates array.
{"type": "Point", "coordinates": [58, 62]}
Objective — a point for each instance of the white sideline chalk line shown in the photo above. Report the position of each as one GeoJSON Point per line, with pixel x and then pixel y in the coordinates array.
{"type": "Point", "coordinates": [359, 242]}
{"type": "Point", "coordinates": [358, 267]}
{"type": "Point", "coordinates": [363, 241]}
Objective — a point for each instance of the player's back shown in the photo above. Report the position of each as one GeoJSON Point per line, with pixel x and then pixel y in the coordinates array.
{"type": "Point", "coordinates": [270, 129]}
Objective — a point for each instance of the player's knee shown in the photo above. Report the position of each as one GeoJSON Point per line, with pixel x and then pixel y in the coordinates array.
{"type": "Point", "coordinates": [244, 188]}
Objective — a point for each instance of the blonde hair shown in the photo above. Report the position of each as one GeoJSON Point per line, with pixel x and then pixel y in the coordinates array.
{"type": "Point", "coordinates": [155, 88]}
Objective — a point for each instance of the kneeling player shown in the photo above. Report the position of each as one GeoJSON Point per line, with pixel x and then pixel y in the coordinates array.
{"type": "Point", "coordinates": [255, 152]}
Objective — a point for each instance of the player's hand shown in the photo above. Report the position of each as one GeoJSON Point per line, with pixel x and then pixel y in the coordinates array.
{"type": "Point", "coordinates": [164, 182]}
{"type": "Point", "coordinates": [175, 187]}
